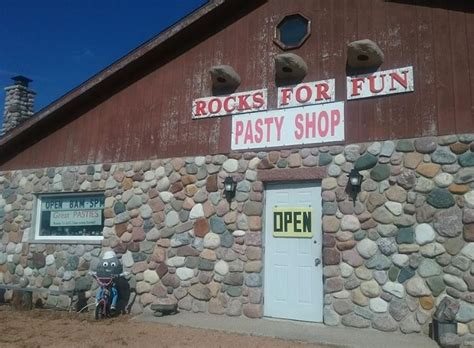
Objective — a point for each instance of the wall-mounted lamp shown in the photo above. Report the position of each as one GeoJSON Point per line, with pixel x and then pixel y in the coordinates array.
{"type": "Point", "coordinates": [355, 181]}
{"type": "Point", "coordinates": [229, 188]}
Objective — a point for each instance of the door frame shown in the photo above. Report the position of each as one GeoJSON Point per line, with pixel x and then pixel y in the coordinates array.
{"type": "Point", "coordinates": [315, 182]}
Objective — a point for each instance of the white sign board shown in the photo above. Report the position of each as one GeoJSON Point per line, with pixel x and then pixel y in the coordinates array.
{"type": "Point", "coordinates": [380, 83]}
{"type": "Point", "coordinates": [236, 103]}
{"type": "Point", "coordinates": [72, 203]}
{"type": "Point", "coordinates": [76, 218]}
{"type": "Point", "coordinates": [307, 93]}
{"type": "Point", "coordinates": [294, 126]}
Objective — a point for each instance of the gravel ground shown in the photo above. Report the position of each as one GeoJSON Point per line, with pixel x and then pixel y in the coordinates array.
{"type": "Point", "coordinates": [45, 328]}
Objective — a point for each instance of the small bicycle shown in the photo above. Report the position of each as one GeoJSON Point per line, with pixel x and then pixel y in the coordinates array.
{"type": "Point", "coordinates": [107, 296]}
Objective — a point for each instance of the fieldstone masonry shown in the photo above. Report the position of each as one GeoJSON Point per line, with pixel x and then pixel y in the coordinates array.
{"type": "Point", "coordinates": [389, 257]}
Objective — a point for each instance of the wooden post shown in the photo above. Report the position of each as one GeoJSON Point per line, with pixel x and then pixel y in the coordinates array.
{"type": "Point", "coordinates": [22, 300]}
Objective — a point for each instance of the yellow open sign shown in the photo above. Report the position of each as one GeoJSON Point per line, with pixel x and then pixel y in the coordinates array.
{"type": "Point", "coordinates": [292, 222]}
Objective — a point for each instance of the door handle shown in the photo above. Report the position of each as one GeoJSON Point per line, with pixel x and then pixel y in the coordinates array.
{"type": "Point", "coordinates": [317, 261]}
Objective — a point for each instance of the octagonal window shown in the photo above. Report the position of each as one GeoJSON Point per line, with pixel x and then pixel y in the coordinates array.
{"type": "Point", "coordinates": [292, 31]}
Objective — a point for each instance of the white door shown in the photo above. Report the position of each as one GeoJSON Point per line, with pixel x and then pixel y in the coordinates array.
{"type": "Point", "coordinates": [293, 286]}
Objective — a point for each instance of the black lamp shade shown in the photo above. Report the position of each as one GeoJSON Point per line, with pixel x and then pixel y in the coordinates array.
{"type": "Point", "coordinates": [355, 178]}
{"type": "Point", "coordinates": [229, 184]}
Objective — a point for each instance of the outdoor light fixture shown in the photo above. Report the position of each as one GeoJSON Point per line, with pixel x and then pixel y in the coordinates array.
{"type": "Point", "coordinates": [229, 188]}
{"type": "Point", "coordinates": [355, 180]}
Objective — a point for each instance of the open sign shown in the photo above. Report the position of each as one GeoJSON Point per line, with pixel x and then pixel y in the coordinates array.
{"type": "Point", "coordinates": [293, 222]}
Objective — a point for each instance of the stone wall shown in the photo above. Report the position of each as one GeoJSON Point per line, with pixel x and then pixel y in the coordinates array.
{"type": "Point", "coordinates": [389, 258]}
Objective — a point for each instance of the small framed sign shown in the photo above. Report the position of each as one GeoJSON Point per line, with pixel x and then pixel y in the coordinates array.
{"type": "Point", "coordinates": [292, 222]}
{"type": "Point", "coordinates": [70, 216]}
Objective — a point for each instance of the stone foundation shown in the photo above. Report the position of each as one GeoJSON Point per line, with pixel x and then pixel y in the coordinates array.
{"type": "Point", "coordinates": [389, 257]}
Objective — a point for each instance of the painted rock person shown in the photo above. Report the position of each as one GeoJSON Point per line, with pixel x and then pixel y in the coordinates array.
{"type": "Point", "coordinates": [109, 267]}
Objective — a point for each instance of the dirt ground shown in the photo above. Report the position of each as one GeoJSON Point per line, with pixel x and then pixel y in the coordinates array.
{"type": "Point", "coordinates": [46, 328]}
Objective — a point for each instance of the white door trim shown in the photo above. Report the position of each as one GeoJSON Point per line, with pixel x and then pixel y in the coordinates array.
{"type": "Point", "coordinates": [307, 297]}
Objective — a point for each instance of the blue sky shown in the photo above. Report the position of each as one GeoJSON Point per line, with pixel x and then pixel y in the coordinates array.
{"type": "Point", "coordinates": [61, 43]}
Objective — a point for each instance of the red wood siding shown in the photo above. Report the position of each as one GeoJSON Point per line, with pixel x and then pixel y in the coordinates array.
{"type": "Point", "coordinates": [150, 117]}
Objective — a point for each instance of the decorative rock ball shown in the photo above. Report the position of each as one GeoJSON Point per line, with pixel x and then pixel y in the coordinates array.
{"type": "Point", "coordinates": [289, 66]}
{"type": "Point", "coordinates": [224, 77]}
{"type": "Point", "coordinates": [364, 54]}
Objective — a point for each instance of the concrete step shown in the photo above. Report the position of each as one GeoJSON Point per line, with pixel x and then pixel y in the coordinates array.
{"type": "Point", "coordinates": [295, 330]}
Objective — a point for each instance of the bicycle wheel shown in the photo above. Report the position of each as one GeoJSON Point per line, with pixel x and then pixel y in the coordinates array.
{"type": "Point", "coordinates": [99, 312]}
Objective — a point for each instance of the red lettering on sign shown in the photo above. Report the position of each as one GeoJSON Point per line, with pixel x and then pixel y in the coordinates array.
{"type": "Point", "coordinates": [299, 126]}
{"type": "Point", "coordinates": [311, 125]}
{"type": "Point", "coordinates": [357, 85]}
{"type": "Point", "coordinates": [200, 108]}
{"type": "Point", "coordinates": [286, 96]}
{"type": "Point", "coordinates": [335, 120]}
{"type": "Point", "coordinates": [215, 105]}
{"type": "Point", "coordinates": [243, 105]}
{"type": "Point", "coordinates": [372, 87]}
{"type": "Point", "coordinates": [279, 123]}
{"type": "Point", "coordinates": [227, 108]}
{"type": "Point", "coordinates": [322, 90]}
{"type": "Point", "coordinates": [258, 100]}
{"type": "Point", "coordinates": [239, 129]}
{"type": "Point", "coordinates": [268, 121]}
{"type": "Point", "coordinates": [230, 104]}
{"type": "Point", "coordinates": [323, 129]}
{"type": "Point", "coordinates": [289, 127]}
{"type": "Point", "coordinates": [299, 93]}
{"type": "Point", "coordinates": [403, 81]}
{"type": "Point", "coordinates": [248, 133]}
{"type": "Point", "coordinates": [258, 130]}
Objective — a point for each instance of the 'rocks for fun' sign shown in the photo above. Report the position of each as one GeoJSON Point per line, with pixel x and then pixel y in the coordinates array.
{"type": "Point", "coordinates": [306, 113]}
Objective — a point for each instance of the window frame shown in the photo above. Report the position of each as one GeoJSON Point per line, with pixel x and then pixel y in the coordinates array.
{"type": "Point", "coordinates": [284, 46]}
{"type": "Point", "coordinates": [35, 235]}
